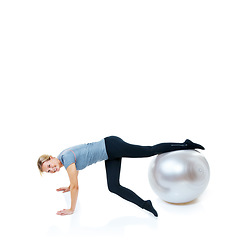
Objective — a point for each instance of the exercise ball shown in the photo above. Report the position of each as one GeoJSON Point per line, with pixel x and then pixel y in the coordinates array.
{"type": "Point", "coordinates": [179, 176]}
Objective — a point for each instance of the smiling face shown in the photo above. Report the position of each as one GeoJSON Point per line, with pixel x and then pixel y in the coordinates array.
{"type": "Point", "coordinates": [51, 166]}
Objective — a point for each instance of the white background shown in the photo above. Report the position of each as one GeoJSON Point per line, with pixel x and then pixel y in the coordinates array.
{"type": "Point", "coordinates": [148, 71]}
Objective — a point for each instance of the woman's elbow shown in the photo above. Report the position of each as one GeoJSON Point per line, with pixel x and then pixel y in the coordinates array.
{"type": "Point", "coordinates": [74, 187]}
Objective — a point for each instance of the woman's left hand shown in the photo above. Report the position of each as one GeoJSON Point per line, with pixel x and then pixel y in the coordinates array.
{"type": "Point", "coordinates": [65, 212]}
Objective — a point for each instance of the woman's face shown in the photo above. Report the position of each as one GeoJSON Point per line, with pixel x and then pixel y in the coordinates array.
{"type": "Point", "coordinates": [51, 166]}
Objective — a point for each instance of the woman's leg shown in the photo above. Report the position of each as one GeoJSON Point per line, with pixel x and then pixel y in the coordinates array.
{"type": "Point", "coordinates": [113, 168]}
{"type": "Point", "coordinates": [117, 148]}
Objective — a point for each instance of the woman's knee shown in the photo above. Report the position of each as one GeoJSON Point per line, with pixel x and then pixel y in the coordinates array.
{"type": "Point", "coordinates": [113, 187]}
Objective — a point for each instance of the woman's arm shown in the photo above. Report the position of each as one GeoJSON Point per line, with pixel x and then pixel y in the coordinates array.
{"type": "Point", "coordinates": [73, 174]}
{"type": "Point", "coordinates": [65, 189]}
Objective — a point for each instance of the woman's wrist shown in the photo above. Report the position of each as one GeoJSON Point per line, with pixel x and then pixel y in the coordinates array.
{"type": "Point", "coordinates": [74, 195]}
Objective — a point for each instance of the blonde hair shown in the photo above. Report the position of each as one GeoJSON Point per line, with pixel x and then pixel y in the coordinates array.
{"type": "Point", "coordinates": [41, 160]}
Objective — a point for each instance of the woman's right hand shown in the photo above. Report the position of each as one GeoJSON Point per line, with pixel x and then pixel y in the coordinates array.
{"type": "Point", "coordinates": [64, 189]}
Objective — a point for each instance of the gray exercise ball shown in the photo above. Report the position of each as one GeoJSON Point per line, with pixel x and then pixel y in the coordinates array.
{"type": "Point", "coordinates": [179, 176]}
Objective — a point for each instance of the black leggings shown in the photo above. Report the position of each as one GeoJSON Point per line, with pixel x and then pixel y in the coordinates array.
{"type": "Point", "coordinates": [117, 148]}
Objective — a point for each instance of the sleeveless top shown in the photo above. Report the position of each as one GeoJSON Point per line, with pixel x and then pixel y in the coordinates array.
{"type": "Point", "coordinates": [84, 155]}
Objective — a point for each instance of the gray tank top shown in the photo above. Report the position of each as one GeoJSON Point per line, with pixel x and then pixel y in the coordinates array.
{"type": "Point", "coordinates": [84, 155]}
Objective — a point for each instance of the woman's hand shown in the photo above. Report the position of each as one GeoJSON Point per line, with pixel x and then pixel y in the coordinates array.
{"type": "Point", "coordinates": [65, 212]}
{"type": "Point", "coordinates": [64, 189]}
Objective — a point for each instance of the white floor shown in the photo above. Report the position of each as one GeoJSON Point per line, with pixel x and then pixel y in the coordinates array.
{"type": "Point", "coordinates": [147, 71]}
{"type": "Point", "coordinates": [31, 207]}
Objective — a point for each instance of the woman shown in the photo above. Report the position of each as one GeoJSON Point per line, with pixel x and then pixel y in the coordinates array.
{"type": "Point", "coordinates": [111, 149]}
